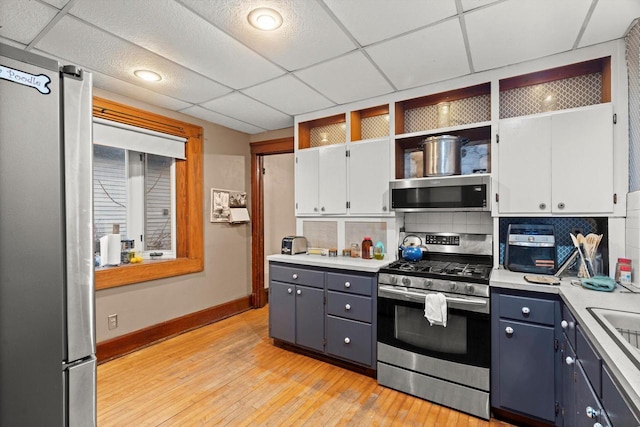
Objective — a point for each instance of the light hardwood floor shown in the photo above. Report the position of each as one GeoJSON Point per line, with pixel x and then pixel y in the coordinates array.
{"type": "Point", "coordinates": [230, 373]}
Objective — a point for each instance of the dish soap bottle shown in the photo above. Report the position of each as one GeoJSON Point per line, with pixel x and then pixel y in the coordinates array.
{"type": "Point", "coordinates": [367, 248]}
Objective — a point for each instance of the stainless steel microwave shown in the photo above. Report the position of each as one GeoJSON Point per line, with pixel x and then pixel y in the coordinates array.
{"type": "Point", "coordinates": [451, 193]}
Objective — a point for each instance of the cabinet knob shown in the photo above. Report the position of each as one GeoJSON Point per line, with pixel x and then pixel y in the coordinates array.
{"type": "Point", "coordinates": [322, 209]}
{"type": "Point", "coordinates": [542, 206]}
{"type": "Point", "coordinates": [560, 205]}
{"type": "Point", "coordinates": [525, 311]}
{"type": "Point", "coordinates": [347, 284]}
{"type": "Point", "coordinates": [564, 324]}
{"type": "Point", "coordinates": [591, 413]}
{"type": "Point", "coordinates": [509, 330]}
{"type": "Point", "coordinates": [384, 209]}
{"type": "Point", "coordinates": [597, 425]}
{"type": "Point", "coordinates": [347, 307]}
{"type": "Point", "coordinates": [315, 209]}
{"type": "Point", "coordinates": [299, 292]}
{"type": "Point", "coordinates": [289, 290]}
{"type": "Point", "coordinates": [569, 360]}
{"type": "Point", "coordinates": [295, 276]}
{"type": "Point", "coordinates": [347, 340]}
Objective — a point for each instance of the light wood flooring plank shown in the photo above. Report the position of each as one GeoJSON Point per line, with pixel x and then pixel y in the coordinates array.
{"type": "Point", "coordinates": [230, 373]}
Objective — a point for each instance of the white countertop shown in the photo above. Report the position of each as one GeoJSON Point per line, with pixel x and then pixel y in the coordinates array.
{"type": "Point", "coordinates": [578, 299]}
{"type": "Point", "coordinates": [345, 263]}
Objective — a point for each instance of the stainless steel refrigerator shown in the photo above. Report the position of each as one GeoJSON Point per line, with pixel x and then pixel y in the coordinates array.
{"type": "Point", "coordinates": [47, 329]}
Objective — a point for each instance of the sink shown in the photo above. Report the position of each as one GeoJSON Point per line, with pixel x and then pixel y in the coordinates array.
{"type": "Point", "coordinates": [623, 327]}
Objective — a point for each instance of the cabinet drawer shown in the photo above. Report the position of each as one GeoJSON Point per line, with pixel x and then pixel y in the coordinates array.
{"type": "Point", "coordinates": [590, 361]}
{"type": "Point", "coordinates": [349, 339]}
{"type": "Point", "coordinates": [527, 309]}
{"type": "Point", "coordinates": [349, 306]}
{"type": "Point", "coordinates": [570, 328]}
{"type": "Point", "coordinates": [617, 409]}
{"type": "Point", "coordinates": [296, 275]}
{"type": "Point", "coordinates": [362, 285]}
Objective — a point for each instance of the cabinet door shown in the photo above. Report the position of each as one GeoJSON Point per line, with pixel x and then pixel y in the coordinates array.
{"type": "Point", "coordinates": [582, 163]}
{"type": "Point", "coordinates": [309, 311]}
{"type": "Point", "coordinates": [282, 311]}
{"type": "Point", "coordinates": [568, 385]}
{"type": "Point", "coordinates": [588, 408]}
{"type": "Point", "coordinates": [333, 180]}
{"type": "Point", "coordinates": [527, 369]}
{"type": "Point", "coordinates": [369, 177]}
{"type": "Point", "coordinates": [524, 165]}
{"type": "Point", "coordinates": [307, 182]}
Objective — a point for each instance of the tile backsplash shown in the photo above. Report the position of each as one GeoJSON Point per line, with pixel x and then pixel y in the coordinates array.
{"type": "Point", "coordinates": [452, 222]}
{"type": "Point", "coordinates": [321, 234]}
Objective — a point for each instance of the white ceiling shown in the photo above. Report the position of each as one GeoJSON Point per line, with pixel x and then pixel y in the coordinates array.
{"type": "Point", "coordinates": [216, 67]}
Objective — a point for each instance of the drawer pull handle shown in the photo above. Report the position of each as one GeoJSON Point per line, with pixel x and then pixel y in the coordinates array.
{"type": "Point", "coordinates": [592, 413]}
{"type": "Point", "coordinates": [347, 340]}
{"type": "Point", "coordinates": [347, 284]}
{"type": "Point", "coordinates": [347, 307]}
{"type": "Point", "coordinates": [509, 330]}
{"type": "Point", "coordinates": [569, 360]}
{"type": "Point", "coordinates": [289, 290]}
{"type": "Point", "coordinates": [564, 324]}
{"type": "Point", "coordinates": [525, 310]}
{"type": "Point", "coordinates": [295, 276]}
{"type": "Point", "coordinates": [299, 292]}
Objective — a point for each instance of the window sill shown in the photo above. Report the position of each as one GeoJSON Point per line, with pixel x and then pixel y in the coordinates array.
{"type": "Point", "coordinates": [110, 277]}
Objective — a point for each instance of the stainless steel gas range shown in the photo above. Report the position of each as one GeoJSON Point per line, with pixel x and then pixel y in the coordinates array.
{"type": "Point", "coordinates": [446, 365]}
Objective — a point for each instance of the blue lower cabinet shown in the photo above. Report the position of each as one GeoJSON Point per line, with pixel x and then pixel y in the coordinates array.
{"type": "Point", "coordinates": [310, 317]}
{"type": "Point", "coordinates": [349, 339]}
{"type": "Point", "coordinates": [282, 311]}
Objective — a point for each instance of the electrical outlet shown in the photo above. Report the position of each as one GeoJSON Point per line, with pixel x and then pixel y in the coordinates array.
{"type": "Point", "coordinates": [113, 321]}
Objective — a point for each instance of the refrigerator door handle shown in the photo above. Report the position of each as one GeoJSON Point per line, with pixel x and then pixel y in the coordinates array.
{"type": "Point", "coordinates": [78, 152]}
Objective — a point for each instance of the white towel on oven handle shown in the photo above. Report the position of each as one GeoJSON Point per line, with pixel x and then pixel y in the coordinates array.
{"type": "Point", "coordinates": [435, 309]}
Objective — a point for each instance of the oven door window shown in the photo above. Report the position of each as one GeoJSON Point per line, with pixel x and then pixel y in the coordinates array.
{"type": "Point", "coordinates": [466, 338]}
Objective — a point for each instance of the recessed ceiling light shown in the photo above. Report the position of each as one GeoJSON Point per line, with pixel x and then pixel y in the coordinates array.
{"type": "Point", "coordinates": [147, 75]}
{"type": "Point", "coordinates": [265, 19]}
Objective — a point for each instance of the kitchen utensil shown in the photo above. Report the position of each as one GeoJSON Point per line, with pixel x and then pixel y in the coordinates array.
{"type": "Point", "coordinates": [441, 155]}
{"type": "Point", "coordinates": [574, 239]}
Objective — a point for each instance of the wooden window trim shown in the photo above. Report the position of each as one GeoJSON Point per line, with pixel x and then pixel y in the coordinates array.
{"type": "Point", "coordinates": [189, 199]}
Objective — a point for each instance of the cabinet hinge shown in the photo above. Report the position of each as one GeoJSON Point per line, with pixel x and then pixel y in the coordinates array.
{"type": "Point", "coordinates": [348, 205]}
{"type": "Point", "coordinates": [296, 205]}
{"type": "Point", "coordinates": [575, 377]}
{"type": "Point", "coordinates": [324, 300]}
{"type": "Point", "coordinates": [497, 138]}
{"type": "Point", "coordinates": [324, 342]}
{"type": "Point", "coordinates": [497, 197]}
{"type": "Point", "coordinates": [615, 198]}
{"type": "Point", "coordinates": [557, 408]}
{"type": "Point", "coordinates": [615, 119]}
{"type": "Point", "coordinates": [296, 159]}
{"type": "Point", "coordinates": [348, 153]}
{"type": "Point", "coordinates": [555, 345]}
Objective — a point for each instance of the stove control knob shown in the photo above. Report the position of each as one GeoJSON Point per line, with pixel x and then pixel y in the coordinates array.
{"type": "Point", "coordinates": [406, 281]}
{"type": "Point", "coordinates": [453, 286]}
{"type": "Point", "coordinates": [469, 289]}
{"type": "Point", "coordinates": [393, 280]}
{"type": "Point", "coordinates": [428, 283]}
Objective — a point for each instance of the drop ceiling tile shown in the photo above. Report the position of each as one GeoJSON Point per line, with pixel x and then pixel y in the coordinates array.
{"type": "Point", "coordinates": [610, 21]}
{"type": "Point", "coordinates": [426, 56]}
{"type": "Point", "coordinates": [120, 87]}
{"type": "Point", "coordinates": [307, 36]}
{"type": "Point", "coordinates": [57, 3]}
{"type": "Point", "coordinates": [515, 31]}
{"type": "Point", "coordinates": [210, 116]}
{"type": "Point", "coordinates": [176, 33]}
{"type": "Point", "coordinates": [474, 4]}
{"type": "Point", "coordinates": [12, 43]}
{"type": "Point", "coordinates": [23, 20]}
{"type": "Point", "coordinates": [87, 46]}
{"type": "Point", "coordinates": [248, 110]}
{"type": "Point", "coordinates": [372, 21]}
{"type": "Point", "coordinates": [349, 78]}
{"type": "Point", "coordinates": [289, 95]}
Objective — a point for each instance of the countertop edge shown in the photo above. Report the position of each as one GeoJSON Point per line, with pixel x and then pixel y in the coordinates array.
{"type": "Point", "coordinates": [342, 263]}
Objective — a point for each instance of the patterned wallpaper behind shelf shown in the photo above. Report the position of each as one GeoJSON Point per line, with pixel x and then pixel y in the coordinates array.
{"type": "Point", "coordinates": [328, 135]}
{"type": "Point", "coordinates": [633, 67]}
{"type": "Point", "coordinates": [566, 93]}
{"type": "Point", "coordinates": [463, 111]}
{"type": "Point", "coordinates": [375, 127]}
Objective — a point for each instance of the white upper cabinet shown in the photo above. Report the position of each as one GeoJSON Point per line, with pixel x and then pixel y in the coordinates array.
{"type": "Point", "coordinates": [558, 163]}
{"type": "Point", "coordinates": [307, 180]}
{"type": "Point", "coordinates": [369, 177]}
{"type": "Point", "coordinates": [321, 176]}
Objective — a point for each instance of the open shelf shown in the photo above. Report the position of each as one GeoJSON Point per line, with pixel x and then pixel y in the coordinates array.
{"type": "Point", "coordinates": [370, 123]}
{"type": "Point", "coordinates": [325, 131]}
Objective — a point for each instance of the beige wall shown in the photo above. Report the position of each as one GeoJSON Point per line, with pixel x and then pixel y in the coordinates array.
{"type": "Point", "coordinates": [227, 248]}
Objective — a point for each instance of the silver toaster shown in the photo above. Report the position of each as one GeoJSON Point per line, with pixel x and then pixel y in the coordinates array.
{"type": "Point", "coordinates": [292, 245]}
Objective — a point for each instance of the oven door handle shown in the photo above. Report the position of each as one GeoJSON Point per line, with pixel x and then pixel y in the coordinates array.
{"type": "Point", "coordinates": [475, 302]}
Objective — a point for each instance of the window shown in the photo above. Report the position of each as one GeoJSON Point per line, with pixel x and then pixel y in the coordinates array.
{"type": "Point", "coordinates": [167, 205]}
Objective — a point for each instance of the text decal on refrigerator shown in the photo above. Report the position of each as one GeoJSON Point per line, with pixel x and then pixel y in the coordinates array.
{"type": "Point", "coordinates": [38, 82]}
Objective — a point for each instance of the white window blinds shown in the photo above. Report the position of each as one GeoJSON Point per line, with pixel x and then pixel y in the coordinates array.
{"type": "Point", "coordinates": [118, 135]}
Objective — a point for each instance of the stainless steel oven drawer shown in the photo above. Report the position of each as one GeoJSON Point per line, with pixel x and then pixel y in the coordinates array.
{"type": "Point", "coordinates": [297, 275]}
{"type": "Point", "coordinates": [527, 309]}
{"type": "Point", "coordinates": [362, 285]}
{"type": "Point", "coordinates": [350, 306]}
{"type": "Point", "coordinates": [349, 339]}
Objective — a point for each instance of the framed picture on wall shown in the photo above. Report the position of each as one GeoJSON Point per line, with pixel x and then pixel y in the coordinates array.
{"type": "Point", "coordinates": [224, 203]}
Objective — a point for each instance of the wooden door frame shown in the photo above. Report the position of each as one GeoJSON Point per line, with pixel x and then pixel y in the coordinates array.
{"type": "Point", "coordinates": [258, 151]}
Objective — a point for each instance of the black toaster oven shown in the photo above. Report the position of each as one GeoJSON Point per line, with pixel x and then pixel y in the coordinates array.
{"type": "Point", "coordinates": [531, 248]}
